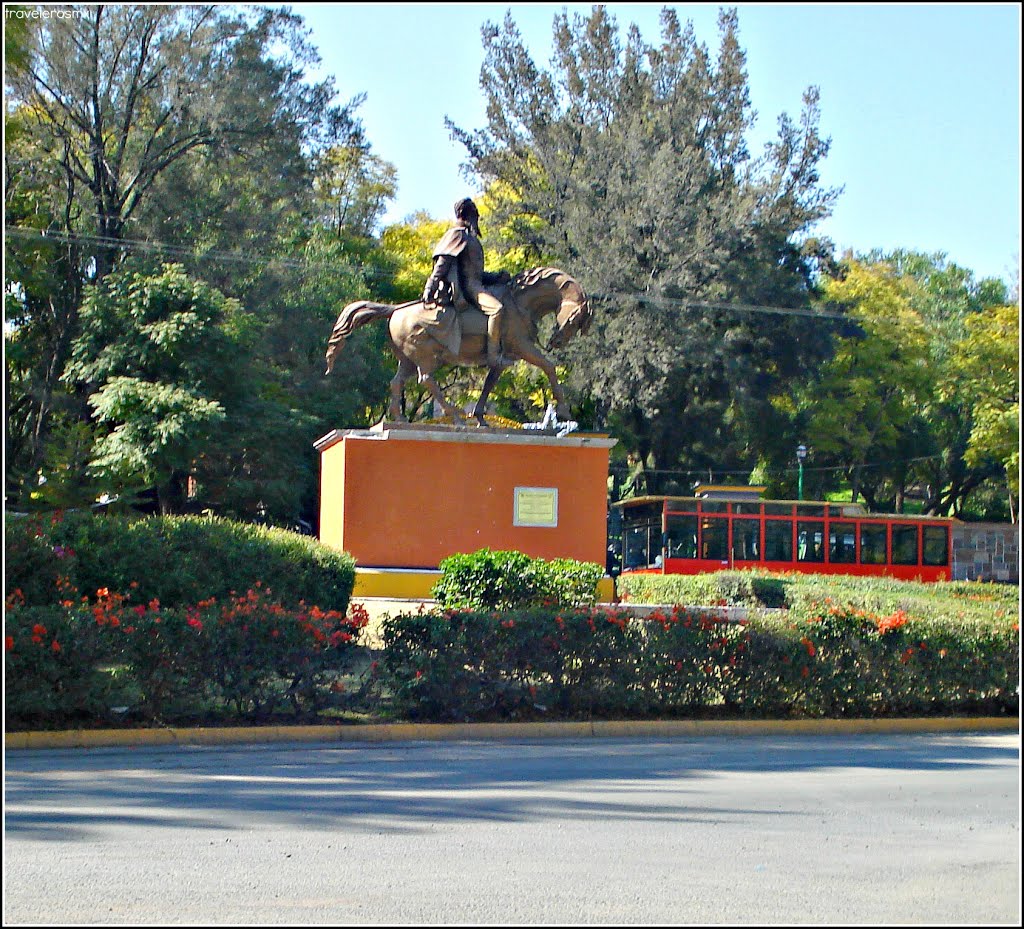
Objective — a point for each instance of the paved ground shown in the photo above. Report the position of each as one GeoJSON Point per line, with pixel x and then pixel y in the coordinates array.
{"type": "Point", "coordinates": [752, 830]}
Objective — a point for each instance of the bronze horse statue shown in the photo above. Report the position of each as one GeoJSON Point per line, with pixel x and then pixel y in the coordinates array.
{"type": "Point", "coordinates": [421, 347]}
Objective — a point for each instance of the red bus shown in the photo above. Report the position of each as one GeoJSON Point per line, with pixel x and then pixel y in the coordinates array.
{"type": "Point", "coordinates": [693, 535]}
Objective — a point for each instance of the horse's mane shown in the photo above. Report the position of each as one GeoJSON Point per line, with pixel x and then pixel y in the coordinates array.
{"type": "Point", "coordinates": [580, 318]}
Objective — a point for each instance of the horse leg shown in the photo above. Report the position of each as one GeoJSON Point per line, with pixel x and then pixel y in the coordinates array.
{"type": "Point", "coordinates": [406, 369]}
{"type": "Point", "coordinates": [492, 378]}
{"type": "Point", "coordinates": [427, 380]}
{"type": "Point", "coordinates": [538, 359]}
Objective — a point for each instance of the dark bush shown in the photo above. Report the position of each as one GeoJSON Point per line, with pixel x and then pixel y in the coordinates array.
{"type": "Point", "coordinates": [830, 662]}
{"type": "Point", "coordinates": [177, 560]}
{"type": "Point", "coordinates": [245, 658]}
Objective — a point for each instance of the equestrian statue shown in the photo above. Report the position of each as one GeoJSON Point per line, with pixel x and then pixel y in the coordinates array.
{"type": "Point", "coordinates": [471, 318]}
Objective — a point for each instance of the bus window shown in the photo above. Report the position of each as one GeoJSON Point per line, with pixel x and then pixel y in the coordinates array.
{"type": "Point", "coordinates": [746, 539]}
{"type": "Point", "coordinates": [810, 541]}
{"type": "Point", "coordinates": [682, 536]}
{"type": "Point", "coordinates": [872, 544]}
{"type": "Point", "coordinates": [714, 539]}
{"type": "Point", "coordinates": [842, 547]}
{"type": "Point", "coordinates": [778, 509]}
{"type": "Point", "coordinates": [778, 540]}
{"type": "Point", "coordinates": [904, 544]}
{"type": "Point", "coordinates": [636, 546]}
{"type": "Point", "coordinates": [936, 545]}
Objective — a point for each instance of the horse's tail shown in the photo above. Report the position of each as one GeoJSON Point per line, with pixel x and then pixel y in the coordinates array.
{"type": "Point", "coordinates": [351, 318]}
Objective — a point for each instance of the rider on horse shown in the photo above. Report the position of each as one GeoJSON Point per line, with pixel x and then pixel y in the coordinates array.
{"type": "Point", "coordinates": [460, 281]}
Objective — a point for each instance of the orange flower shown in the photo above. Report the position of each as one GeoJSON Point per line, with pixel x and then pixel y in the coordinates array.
{"type": "Point", "coordinates": [809, 645]}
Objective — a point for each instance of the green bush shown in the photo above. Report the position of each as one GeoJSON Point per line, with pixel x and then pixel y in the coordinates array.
{"type": "Point", "coordinates": [721, 588]}
{"type": "Point", "coordinates": [54, 667]}
{"type": "Point", "coordinates": [957, 600]}
{"type": "Point", "coordinates": [490, 580]}
{"type": "Point", "coordinates": [247, 657]}
{"type": "Point", "coordinates": [832, 661]}
{"type": "Point", "coordinates": [178, 560]}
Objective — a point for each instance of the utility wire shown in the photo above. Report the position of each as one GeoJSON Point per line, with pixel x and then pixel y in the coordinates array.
{"type": "Point", "coordinates": [622, 466]}
{"type": "Point", "coordinates": [299, 264]}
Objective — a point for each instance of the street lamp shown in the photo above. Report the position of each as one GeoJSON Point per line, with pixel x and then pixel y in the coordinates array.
{"type": "Point", "coordinates": [801, 454]}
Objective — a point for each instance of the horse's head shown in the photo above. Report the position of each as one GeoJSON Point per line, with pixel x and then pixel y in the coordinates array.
{"type": "Point", "coordinates": [541, 291]}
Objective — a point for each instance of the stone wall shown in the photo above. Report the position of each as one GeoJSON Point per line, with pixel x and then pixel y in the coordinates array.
{"type": "Point", "coordinates": [986, 552]}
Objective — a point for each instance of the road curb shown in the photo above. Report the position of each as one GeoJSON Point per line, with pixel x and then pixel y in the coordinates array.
{"type": "Point", "coordinates": [434, 732]}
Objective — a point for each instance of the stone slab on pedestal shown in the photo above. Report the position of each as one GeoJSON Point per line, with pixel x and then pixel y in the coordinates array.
{"type": "Point", "coordinates": [409, 496]}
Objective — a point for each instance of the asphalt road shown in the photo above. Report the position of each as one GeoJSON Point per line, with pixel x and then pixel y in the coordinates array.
{"type": "Point", "coordinates": [864, 829]}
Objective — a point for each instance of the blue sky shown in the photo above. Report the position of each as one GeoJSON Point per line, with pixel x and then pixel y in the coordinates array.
{"type": "Point", "coordinates": [921, 101]}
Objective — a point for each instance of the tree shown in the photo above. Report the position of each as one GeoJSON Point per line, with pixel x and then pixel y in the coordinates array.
{"type": "Point", "coordinates": [986, 363]}
{"type": "Point", "coordinates": [864, 409]}
{"type": "Point", "coordinates": [627, 164]}
{"type": "Point", "coordinates": [949, 301]}
{"type": "Point", "coordinates": [190, 132]}
{"type": "Point", "coordinates": [126, 91]}
{"type": "Point", "coordinates": [161, 356]}
{"type": "Point", "coordinates": [353, 186]}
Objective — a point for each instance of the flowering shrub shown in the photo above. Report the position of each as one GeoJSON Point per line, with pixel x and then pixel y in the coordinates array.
{"type": "Point", "coordinates": [832, 661]}
{"type": "Point", "coordinates": [52, 657]}
{"type": "Point", "coordinates": [537, 662]}
{"type": "Point", "coordinates": [75, 661]}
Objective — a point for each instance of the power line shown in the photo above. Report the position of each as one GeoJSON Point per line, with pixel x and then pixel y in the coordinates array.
{"type": "Point", "coordinates": [369, 271]}
{"type": "Point", "coordinates": [697, 472]}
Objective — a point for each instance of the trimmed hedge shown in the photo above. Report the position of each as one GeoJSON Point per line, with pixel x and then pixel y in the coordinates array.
{"type": "Point", "coordinates": [955, 600]}
{"type": "Point", "coordinates": [505, 580]}
{"type": "Point", "coordinates": [829, 661]}
{"type": "Point", "coordinates": [119, 660]}
{"type": "Point", "coordinates": [171, 618]}
{"type": "Point", "coordinates": [178, 560]}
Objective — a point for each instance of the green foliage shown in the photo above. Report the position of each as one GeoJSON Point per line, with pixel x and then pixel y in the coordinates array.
{"type": "Point", "coordinates": [953, 601]}
{"type": "Point", "coordinates": [160, 351]}
{"type": "Point", "coordinates": [489, 580]}
{"type": "Point", "coordinates": [627, 163]}
{"type": "Point", "coordinates": [54, 667]}
{"type": "Point", "coordinates": [827, 661]}
{"type": "Point", "coordinates": [986, 364]}
{"type": "Point", "coordinates": [175, 560]}
{"type": "Point", "coordinates": [123, 659]}
{"type": "Point", "coordinates": [720, 588]}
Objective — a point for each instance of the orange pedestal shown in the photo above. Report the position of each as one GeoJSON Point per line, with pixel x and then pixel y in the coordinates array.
{"type": "Point", "coordinates": [409, 496]}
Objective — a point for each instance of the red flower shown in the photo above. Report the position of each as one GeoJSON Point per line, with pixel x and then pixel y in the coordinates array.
{"type": "Point", "coordinates": [809, 645]}
{"type": "Point", "coordinates": [195, 623]}
{"type": "Point", "coordinates": [39, 629]}
{"type": "Point", "coordinates": [419, 674]}
{"type": "Point", "coordinates": [9, 643]}
{"type": "Point", "coordinates": [55, 646]}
